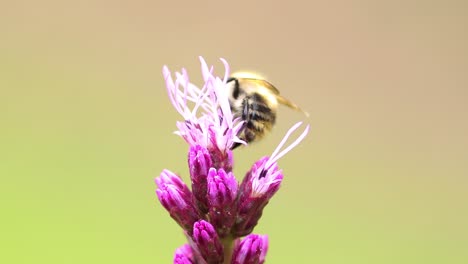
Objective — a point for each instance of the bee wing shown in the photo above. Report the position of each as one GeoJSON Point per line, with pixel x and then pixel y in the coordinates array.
{"type": "Point", "coordinates": [275, 91]}
{"type": "Point", "coordinates": [280, 98]}
{"type": "Point", "coordinates": [290, 104]}
{"type": "Point", "coordinates": [263, 83]}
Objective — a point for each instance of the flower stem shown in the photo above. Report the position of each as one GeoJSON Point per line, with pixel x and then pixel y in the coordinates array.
{"type": "Point", "coordinates": [228, 243]}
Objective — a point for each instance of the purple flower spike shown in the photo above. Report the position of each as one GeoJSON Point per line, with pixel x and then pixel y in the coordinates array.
{"type": "Point", "coordinates": [207, 241]}
{"type": "Point", "coordinates": [222, 193]}
{"type": "Point", "coordinates": [175, 196]}
{"type": "Point", "coordinates": [199, 164]}
{"type": "Point", "coordinates": [259, 185]}
{"type": "Point", "coordinates": [184, 255]}
{"type": "Point", "coordinates": [218, 211]}
{"type": "Point", "coordinates": [251, 250]}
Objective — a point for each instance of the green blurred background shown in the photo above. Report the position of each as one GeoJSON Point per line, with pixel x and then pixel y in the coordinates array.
{"type": "Point", "coordinates": [86, 126]}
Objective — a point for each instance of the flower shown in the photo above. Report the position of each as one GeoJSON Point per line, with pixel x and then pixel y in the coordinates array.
{"type": "Point", "coordinates": [265, 176]}
{"type": "Point", "coordinates": [210, 122]}
{"type": "Point", "coordinates": [207, 242]}
{"type": "Point", "coordinates": [218, 211]}
{"type": "Point", "coordinates": [175, 196]}
{"type": "Point", "coordinates": [184, 255]}
{"type": "Point", "coordinates": [222, 194]}
{"type": "Point", "coordinates": [260, 184]}
{"type": "Point", "coordinates": [251, 250]}
{"type": "Point", "coordinates": [199, 161]}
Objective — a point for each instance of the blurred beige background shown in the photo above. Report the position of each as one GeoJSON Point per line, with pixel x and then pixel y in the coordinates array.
{"type": "Point", "coordinates": [86, 126]}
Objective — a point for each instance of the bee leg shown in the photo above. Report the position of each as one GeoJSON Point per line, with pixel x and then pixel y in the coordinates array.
{"type": "Point", "coordinates": [241, 136]}
{"type": "Point", "coordinates": [246, 110]}
{"type": "Point", "coordinates": [246, 119]}
{"type": "Point", "coordinates": [235, 145]}
{"type": "Point", "coordinates": [248, 115]}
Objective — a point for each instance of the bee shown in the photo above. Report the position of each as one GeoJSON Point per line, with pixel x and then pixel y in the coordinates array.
{"type": "Point", "coordinates": [255, 100]}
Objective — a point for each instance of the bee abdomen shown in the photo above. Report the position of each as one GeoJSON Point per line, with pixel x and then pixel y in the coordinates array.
{"type": "Point", "coordinates": [258, 116]}
{"type": "Point", "coordinates": [259, 110]}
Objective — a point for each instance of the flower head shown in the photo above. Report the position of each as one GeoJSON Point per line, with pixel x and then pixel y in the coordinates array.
{"type": "Point", "coordinates": [199, 161]}
{"type": "Point", "coordinates": [210, 122]}
{"type": "Point", "coordinates": [265, 176]}
{"type": "Point", "coordinates": [251, 250]}
{"type": "Point", "coordinates": [222, 194]}
{"type": "Point", "coordinates": [184, 255]}
{"type": "Point", "coordinates": [260, 184]}
{"type": "Point", "coordinates": [217, 211]}
{"type": "Point", "coordinates": [207, 242]}
{"type": "Point", "coordinates": [175, 196]}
